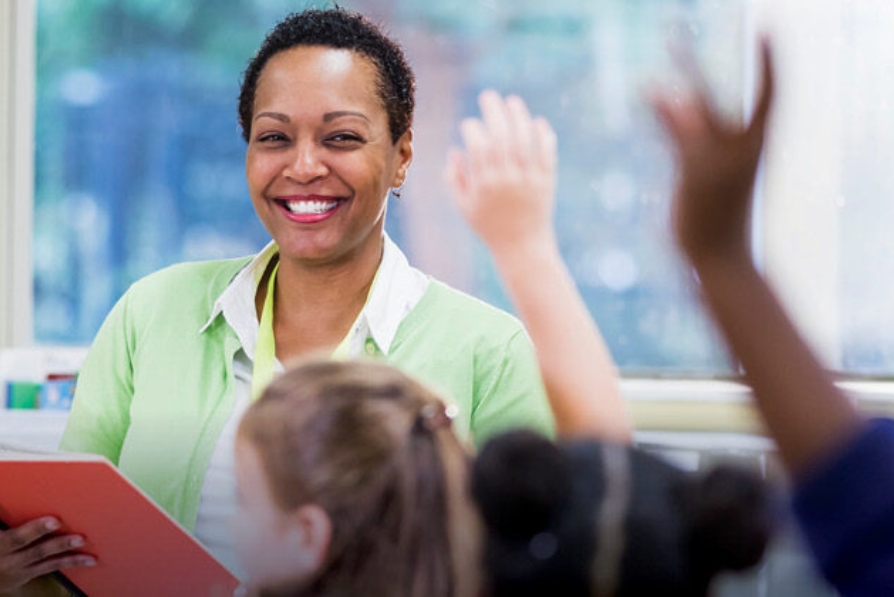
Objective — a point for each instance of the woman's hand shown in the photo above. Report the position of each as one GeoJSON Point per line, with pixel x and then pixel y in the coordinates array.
{"type": "Point", "coordinates": [716, 163]}
{"type": "Point", "coordinates": [504, 183]}
{"type": "Point", "coordinates": [31, 550]}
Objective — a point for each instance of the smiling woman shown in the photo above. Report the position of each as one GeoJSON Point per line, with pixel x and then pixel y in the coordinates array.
{"type": "Point", "coordinates": [326, 107]}
{"type": "Point", "coordinates": [320, 157]}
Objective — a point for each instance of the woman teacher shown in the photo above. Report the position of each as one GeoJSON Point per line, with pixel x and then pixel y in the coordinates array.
{"type": "Point", "coordinates": [326, 108]}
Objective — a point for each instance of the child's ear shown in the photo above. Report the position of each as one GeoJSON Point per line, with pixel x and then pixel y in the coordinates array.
{"type": "Point", "coordinates": [310, 534]}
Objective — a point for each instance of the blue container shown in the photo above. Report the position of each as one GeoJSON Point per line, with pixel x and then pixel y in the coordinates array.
{"type": "Point", "coordinates": [57, 393]}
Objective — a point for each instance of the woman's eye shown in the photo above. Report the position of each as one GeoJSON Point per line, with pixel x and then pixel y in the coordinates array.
{"type": "Point", "coordinates": [344, 139]}
{"type": "Point", "coordinates": [271, 138]}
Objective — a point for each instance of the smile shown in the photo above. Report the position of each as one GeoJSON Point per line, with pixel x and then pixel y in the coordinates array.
{"type": "Point", "coordinates": [308, 210]}
{"type": "Point", "coordinates": [310, 207]}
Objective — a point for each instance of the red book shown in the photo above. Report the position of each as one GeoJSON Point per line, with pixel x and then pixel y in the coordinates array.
{"type": "Point", "coordinates": [139, 549]}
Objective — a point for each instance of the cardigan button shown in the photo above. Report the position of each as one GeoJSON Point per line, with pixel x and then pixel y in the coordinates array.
{"type": "Point", "coordinates": [370, 347]}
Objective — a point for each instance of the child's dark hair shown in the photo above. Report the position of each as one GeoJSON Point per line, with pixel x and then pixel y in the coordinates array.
{"type": "Point", "coordinates": [590, 518]}
{"type": "Point", "coordinates": [341, 29]}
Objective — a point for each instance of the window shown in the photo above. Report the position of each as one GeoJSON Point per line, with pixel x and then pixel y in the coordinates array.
{"type": "Point", "coordinates": [139, 163]}
{"type": "Point", "coordinates": [828, 184]}
{"type": "Point", "coordinates": [138, 160]}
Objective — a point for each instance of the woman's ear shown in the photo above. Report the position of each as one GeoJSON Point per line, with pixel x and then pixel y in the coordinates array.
{"type": "Point", "coordinates": [309, 535]}
{"type": "Point", "coordinates": [404, 158]}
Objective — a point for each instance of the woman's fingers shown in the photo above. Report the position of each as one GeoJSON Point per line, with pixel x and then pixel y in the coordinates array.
{"type": "Point", "coordinates": [13, 540]}
{"type": "Point", "coordinates": [71, 560]}
{"type": "Point", "coordinates": [43, 550]}
{"type": "Point", "coordinates": [30, 550]}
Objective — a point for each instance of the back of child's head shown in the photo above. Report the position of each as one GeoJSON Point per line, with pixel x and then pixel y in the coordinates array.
{"type": "Point", "coordinates": [373, 448]}
{"type": "Point", "coordinates": [590, 518]}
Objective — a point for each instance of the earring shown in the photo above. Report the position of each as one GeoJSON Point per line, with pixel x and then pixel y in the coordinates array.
{"type": "Point", "coordinates": [396, 191]}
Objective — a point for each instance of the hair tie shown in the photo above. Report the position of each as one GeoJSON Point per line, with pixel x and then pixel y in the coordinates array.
{"type": "Point", "coordinates": [433, 416]}
{"type": "Point", "coordinates": [543, 546]}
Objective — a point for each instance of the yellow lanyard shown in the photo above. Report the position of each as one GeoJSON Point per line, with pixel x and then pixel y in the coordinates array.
{"type": "Point", "coordinates": [265, 349]}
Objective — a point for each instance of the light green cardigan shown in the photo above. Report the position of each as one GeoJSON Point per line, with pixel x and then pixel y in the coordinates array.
{"type": "Point", "coordinates": [156, 390]}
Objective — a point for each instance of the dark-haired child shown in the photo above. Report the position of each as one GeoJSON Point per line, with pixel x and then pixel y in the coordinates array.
{"type": "Point", "coordinates": [589, 516]}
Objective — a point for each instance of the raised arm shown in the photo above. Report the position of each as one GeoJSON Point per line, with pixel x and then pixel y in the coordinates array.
{"type": "Point", "coordinates": [716, 162]}
{"type": "Point", "coordinates": [504, 186]}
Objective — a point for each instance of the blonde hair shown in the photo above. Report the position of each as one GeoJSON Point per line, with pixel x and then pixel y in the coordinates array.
{"type": "Point", "coordinates": [373, 448]}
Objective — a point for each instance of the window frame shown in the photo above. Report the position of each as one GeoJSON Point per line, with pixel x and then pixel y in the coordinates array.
{"type": "Point", "coordinates": [17, 95]}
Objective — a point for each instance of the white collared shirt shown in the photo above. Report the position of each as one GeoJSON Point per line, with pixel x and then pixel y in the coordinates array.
{"type": "Point", "coordinates": [397, 289]}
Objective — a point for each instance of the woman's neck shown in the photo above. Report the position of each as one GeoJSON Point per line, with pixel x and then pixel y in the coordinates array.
{"type": "Point", "coordinates": [316, 304]}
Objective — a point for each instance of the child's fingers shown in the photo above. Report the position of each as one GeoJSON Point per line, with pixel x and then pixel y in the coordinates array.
{"type": "Point", "coordinates": [667, 117]}
{"type": "Point", "coordinates": [522, 129]}
{"type": "Point", "coordinates": [496, 120]}
{"type": "Point", "coordinates": [767, 86]}
{"type": "Point", "coordinates": [478, 147]}
{"type": "Point", "coordinates": [701, 96]}
{"type": "Point", "coordinates": [455, 173]}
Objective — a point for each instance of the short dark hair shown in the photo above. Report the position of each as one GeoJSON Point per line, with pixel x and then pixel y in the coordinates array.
{"type": "Point", "coordinates": [341, 29]}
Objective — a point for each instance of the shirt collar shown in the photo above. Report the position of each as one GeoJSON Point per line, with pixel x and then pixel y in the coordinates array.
{"type": "Point", "coordinates": [237, 301]}
{"type": "Point", "coordinates": [398, 288]}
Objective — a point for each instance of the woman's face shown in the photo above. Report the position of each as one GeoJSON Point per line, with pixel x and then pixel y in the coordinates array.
{"type": "Point", "coordinates": [320, 160]}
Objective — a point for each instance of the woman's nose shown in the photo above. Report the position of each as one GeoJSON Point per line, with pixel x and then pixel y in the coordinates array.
{"type": "Point", "coordinates": [306, 164]}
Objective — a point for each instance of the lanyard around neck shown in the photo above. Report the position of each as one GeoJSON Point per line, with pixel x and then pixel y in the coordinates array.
{"type": "Point", "coordinates": [265, 349]}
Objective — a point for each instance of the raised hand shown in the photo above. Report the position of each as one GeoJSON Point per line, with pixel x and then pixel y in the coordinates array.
{"type": "Point", "coordinates": [31, 550]}
{"type": "Point", "coordinates": [716, 162]}
{"type": "Point", "coordinates": [504, 183]}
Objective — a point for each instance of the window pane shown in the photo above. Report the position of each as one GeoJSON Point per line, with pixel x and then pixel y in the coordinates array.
{"type": "Point", "coordinates": [866, 269]}
{"type": "Point", "coordinates": [140, 162]}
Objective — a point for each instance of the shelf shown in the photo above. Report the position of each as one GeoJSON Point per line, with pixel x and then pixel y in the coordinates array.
{"type": "Point", "coordinates": [41, 429]}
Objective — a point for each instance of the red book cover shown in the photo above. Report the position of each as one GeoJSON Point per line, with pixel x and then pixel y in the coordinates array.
{"type": "Point", "coordinates": [139, 549]}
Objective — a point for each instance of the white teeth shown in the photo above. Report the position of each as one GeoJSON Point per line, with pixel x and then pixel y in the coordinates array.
{"type": "Point", "coordinates": [310, 207]}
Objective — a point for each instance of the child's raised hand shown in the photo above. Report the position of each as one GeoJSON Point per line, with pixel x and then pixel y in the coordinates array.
{"type": "Point", "coordinates": [716, 165]}
{"type": "Point", "coordinates": [504, 182]}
